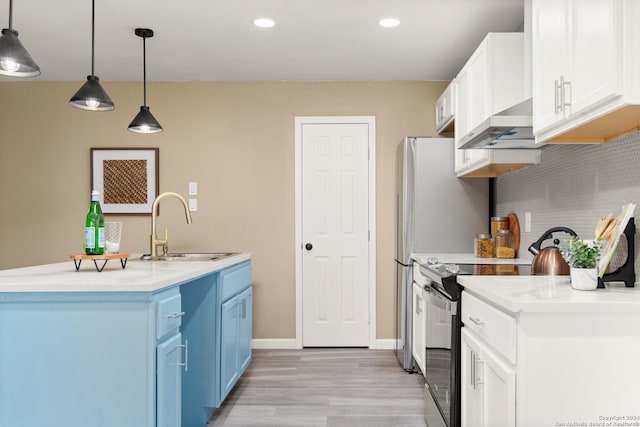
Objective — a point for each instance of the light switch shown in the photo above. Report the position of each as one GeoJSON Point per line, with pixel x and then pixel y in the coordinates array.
{"type": "Point", "coordinates": [193, 188]}
{"type": "Point", "coordinates": [193, 205]}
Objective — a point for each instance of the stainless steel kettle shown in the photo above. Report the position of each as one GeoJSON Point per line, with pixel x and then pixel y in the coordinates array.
{"type": "Point", "coordinates": [549, 261]}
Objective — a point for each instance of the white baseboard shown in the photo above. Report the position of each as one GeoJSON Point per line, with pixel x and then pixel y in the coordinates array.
{"type": "Point", "coordinates": [290, 344]}
{"type": "Point", "coordinates": [388, 344]}
{"type": "Point", "coordinates": [274, 343]}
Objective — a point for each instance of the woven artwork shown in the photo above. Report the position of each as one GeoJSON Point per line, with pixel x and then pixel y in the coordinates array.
{"type": "Point", "coordinates": [125, 181]}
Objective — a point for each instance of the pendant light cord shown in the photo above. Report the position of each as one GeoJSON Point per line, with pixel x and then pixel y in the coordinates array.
{"type": "Point", "coordinates": [93, 32]}
{"type": "Point", "coordinates": [144, 67]}
{"type": "Point", "coordinates": [10, 14]}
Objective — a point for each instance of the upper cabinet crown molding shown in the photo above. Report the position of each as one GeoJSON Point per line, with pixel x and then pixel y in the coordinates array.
{"type": "Point", "coordinates": [585, 70]}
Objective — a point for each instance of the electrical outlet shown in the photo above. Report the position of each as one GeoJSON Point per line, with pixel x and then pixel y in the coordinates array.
{"type": "Point", "coordinates": [193, 205]}
{"type": "Point", "coordinates": [193, 188]}
{"type": "Point", "coordinates": [527, 222]}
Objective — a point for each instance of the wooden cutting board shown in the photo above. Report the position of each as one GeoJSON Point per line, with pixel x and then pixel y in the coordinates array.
{"type": "Point", "coordinates": [514, 227]}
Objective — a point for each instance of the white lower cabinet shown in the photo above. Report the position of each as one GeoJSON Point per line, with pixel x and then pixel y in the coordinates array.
{"type": "Point", "coordinates": [541, 365]}
{"type": "Point", "coordinates": [419, 326]}
{"type": "Point", "coordinates": [487, 385]}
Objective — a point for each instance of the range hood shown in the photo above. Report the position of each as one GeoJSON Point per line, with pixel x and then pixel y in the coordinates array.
{"type": "Point", "coordinates": [503, 131]}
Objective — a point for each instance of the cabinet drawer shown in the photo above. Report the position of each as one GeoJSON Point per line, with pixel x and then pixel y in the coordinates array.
{"type": "Point", "coordinates": [235, 280]}
{"type": "Point", "coordinates": [169, 315]}
{"type": "Point", "coordinates": [496, 327]}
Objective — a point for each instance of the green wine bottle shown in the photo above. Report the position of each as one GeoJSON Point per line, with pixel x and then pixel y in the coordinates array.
{"type": "Point", "coordinates": [94, 227]}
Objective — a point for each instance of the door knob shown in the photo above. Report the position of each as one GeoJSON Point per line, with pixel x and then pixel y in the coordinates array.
{"type": "Point", "coordinates": [308, 246]}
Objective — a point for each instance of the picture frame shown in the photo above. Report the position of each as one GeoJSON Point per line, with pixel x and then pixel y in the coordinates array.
{"type": "Point", "coordinates": [127, 179]}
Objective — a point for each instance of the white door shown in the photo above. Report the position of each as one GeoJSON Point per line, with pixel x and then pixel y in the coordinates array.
{"type": "Point", "coordinates": [335, 226]}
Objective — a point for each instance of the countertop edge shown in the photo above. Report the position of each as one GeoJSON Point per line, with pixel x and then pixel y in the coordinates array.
{"type": "Point", "coordinates": [138, 276]}
{"type": "Point", "coordinates": [549, 294]}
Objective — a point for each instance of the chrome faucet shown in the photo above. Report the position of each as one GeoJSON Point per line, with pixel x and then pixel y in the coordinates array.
{"type": "Point", "coordinates": [155, 242]}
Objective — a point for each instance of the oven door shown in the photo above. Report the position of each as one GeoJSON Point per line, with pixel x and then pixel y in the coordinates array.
{"type": "Point", "coordinates": [440, 359]}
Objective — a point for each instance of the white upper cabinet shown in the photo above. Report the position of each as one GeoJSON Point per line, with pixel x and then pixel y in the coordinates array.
{"type": "Point", "coordinates": [491, 81]}
{"type": "Point", "coordinates": [445, 110]}
{"type": "Point", "coordinates": [585, 69]}
{"type": "Point", "coordinates": [487, 163]}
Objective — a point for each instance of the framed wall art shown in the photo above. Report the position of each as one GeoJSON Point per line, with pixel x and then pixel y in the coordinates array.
{"type": "Point", "coordinates": [127, 179]}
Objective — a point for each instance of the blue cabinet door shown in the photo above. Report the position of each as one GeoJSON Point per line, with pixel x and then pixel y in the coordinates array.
{"type": "Point", "coordinates": [244, 336]}
{"type": "Point", "coordinates": [229, 345]}
{"type": "Point", "coordinates": [169, 376]}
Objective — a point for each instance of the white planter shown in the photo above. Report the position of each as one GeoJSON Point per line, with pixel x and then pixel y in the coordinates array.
{"type": "Point", "coordinates": [584, 279]}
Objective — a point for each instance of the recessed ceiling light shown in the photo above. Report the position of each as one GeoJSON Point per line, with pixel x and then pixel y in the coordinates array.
{"type": "Point", "coordinates": [264, 22]}
{"type": "Point", "coordinates": [389, 22]}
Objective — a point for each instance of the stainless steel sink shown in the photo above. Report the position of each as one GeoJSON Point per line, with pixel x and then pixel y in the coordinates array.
{"type": "Point", "coordinates": [189, 256]}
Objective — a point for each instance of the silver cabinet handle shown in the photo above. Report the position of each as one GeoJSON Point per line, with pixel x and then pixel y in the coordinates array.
{"type": "Point", "coordinates": [476, 320]}
{"type": "Point", "coordinates": [186, 355]}
{"type": "Point", "coordinates": [418, 309]}
{"type": "Point", "coordinates": [478, 379]}
{"type": "Point", "coordinates": [474, 377]}
{"type": "Point", "coordinates": [175, 315]}
{"type": "Point", "coordinates": [561, 93]}
{"type": "Point", "coordinates": [472, 374]}
{"type": "Point", "coordinates": [566, 99]}
{"type": "Point", "coordinates": [244, 308]}
{"type": "Point", "coordinates": [556, 89]}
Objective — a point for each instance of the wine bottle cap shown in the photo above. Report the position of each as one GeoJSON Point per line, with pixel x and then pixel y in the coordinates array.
{"type": "Point", "coordinates": [95, 193]}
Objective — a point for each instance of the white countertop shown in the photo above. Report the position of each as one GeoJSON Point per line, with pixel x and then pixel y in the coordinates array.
{"type": "Point", "coordinates": [138, 276]}
{"type": "Point", "coordinates": [550, 294]}
{"type": "Point", "coordinates": [468, 259]}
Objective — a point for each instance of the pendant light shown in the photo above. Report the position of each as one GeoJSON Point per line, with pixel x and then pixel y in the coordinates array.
{"type": "Point", "coordinates": [15, 61]}
{"type": "Point", "coordinates": [91, 96]}
{"type": "Point", "coordinates": [144, 122]}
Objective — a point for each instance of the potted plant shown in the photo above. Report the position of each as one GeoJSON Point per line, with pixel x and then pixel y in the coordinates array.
{"type": "Point", "coordinates": [582, 258]}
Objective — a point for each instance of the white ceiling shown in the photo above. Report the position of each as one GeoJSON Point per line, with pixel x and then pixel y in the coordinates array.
{"type": "Point", "coordinates": [216, 39]}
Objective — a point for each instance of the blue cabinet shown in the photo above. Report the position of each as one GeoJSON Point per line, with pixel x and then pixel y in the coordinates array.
{"type": "Point", "coordinates": [245, 331]}
{"type": "Point", "coordinates": [235, 317]}
{"type": "Point", "coordinates": [169, 376]}
{"type": "Point", "coordinates": [107, 359]}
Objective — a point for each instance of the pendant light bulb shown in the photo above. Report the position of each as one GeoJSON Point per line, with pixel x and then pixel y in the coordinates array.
{"type": "Point", "coordinates": [144, 122]}
{"type": "Point", "coordinates": [15, 61]}
{"type": "Point", "coordinates": [91, 96]}
{"type": "Point", "coordinates": [9, 65]}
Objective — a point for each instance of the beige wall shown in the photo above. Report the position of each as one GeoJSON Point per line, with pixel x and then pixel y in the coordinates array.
{"type": "Point", "coordinates": [235, 139]}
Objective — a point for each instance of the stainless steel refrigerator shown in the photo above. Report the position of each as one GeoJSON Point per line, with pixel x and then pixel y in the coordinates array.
{"type": "Point", "coordinates": [436, 212]}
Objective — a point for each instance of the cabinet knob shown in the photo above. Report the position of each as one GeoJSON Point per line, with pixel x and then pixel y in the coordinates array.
{"type": "Point", "coordinates": [308, 246]}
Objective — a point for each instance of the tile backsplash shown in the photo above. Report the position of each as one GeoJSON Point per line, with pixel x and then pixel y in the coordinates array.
{"type": "Point", "coordinates": [573, 186]}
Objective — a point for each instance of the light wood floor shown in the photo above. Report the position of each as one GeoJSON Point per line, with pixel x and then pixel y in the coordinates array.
{"type": "Point", "coordinates": [324, 387]}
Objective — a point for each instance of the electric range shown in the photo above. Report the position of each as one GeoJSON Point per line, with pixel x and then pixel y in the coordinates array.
{"type": "Point", "coordinates": [442, 355]}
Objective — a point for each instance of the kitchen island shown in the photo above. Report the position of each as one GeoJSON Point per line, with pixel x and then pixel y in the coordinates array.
{"type": "Point", "coordinates": [154, 344]}
{"type": "Point", "coordinates": [536, 352]}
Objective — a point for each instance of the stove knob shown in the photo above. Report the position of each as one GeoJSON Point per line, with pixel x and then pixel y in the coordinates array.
{"type": "Point", "coordinates": [452, 268]}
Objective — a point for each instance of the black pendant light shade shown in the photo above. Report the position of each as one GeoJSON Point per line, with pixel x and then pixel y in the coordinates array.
{"type": "Point", "coordinates": [144, 122]}
{"type": "Point", "coordinates": [91, 96]}
{"type": "Point", "coordinates": [15, 61]}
